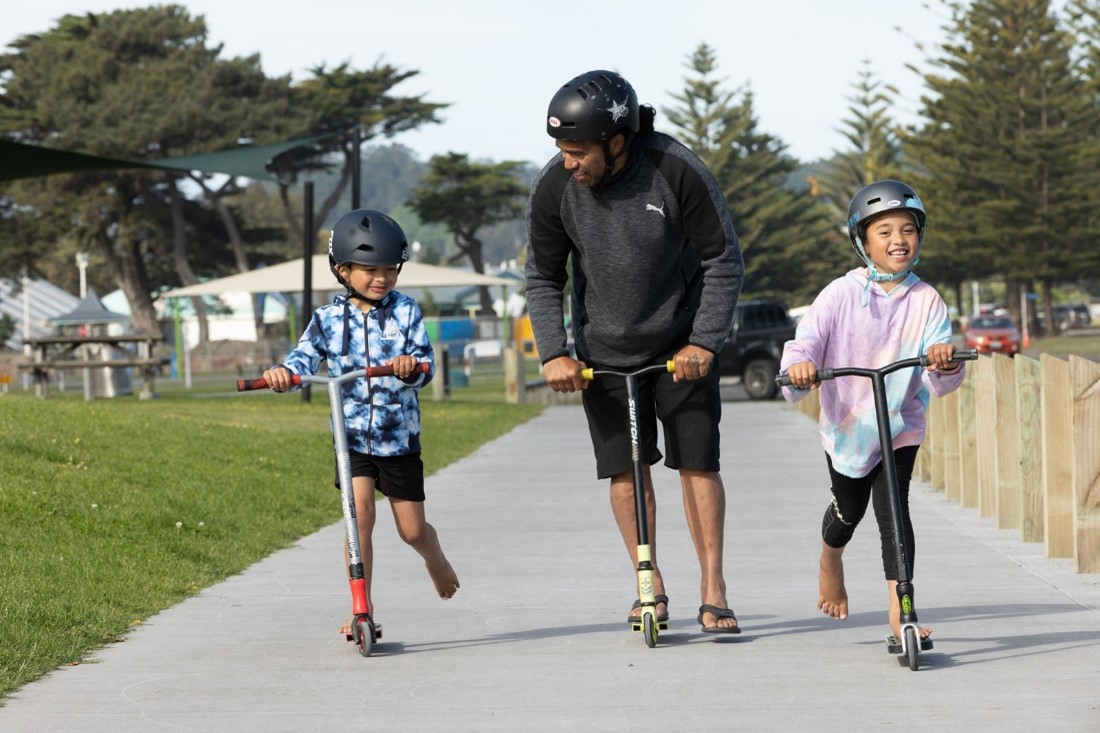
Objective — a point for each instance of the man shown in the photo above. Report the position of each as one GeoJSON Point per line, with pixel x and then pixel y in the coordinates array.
{"type": "Point", "coordinates": [656, 270]}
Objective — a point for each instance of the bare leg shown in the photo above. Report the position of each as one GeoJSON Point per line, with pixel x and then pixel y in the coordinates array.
{"type": "Point", "coordinates": [365, 514]}
{"type": "Point", "coordinates": [705, 509]}
{"type": "Point", "coordinates": [895, 612]}
{"type": "Point", "coordinates": [422, 537]}
{"type": "Point", "coordinates": [622, 506]}
{"type": "Point", "coordinates": [832, 596]}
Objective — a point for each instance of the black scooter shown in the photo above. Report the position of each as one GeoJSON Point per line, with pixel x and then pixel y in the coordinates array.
{"type": "Point", "coordinates": [910, 645]}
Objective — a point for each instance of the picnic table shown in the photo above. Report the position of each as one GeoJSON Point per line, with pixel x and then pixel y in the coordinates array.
{"type": "Point", "coordinates": [76, 352]}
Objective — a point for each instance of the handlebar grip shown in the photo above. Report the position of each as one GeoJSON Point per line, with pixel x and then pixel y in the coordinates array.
{"type": "Point", "coordinates": [588, 374]}
{"type": "Point", "coordinates": [387, 371]}
{"type": "Point", "coordinates": [965, 355]}
{"type": "Point", "coordinates": [245, 385]}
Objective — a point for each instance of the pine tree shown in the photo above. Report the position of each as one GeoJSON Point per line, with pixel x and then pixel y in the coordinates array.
{"type": "Point", "coordinates": [782, 232]}
{"type": "Point", "coordinates": [1000, 147]}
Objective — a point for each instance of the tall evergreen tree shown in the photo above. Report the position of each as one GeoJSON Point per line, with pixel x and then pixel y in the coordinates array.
{"type": "Point", "coordinates": [1000, 148]}
{"type": "Point", "coordinates": [874, 150]}
{"type": "Point", "coordinates": [783, 232]}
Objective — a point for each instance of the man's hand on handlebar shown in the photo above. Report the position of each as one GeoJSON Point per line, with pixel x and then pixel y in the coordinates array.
{"type": "Point", "coordinates": [692, 362]}
{"type": "Point", "coordinates": [563, 374]}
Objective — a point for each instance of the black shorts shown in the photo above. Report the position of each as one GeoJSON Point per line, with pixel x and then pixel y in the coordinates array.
{"type": "Point", "coordinates": [398, 477]}
{"type": "Point", "coordinates": [689, 412]}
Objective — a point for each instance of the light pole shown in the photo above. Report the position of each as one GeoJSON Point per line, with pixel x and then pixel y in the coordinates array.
{"type": "Point", "coordinates": [82, 263]}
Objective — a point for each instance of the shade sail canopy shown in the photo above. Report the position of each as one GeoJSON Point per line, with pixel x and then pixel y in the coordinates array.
{"type": "Point", "coordinates": [288, 277]}
{"type": "Point", "coordinates": [253, 161]}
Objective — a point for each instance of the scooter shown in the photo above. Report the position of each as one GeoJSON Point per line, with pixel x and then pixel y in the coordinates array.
{"type": "Point", "coordinates": [647, 622]}
{"type": "Point", "coordinates": [910, 645]}
{"type": "Point", "coordinates": [364, 631]}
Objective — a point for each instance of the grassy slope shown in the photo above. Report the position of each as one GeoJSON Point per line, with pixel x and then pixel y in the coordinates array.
{"type": "Point", "coordinates": [113, 510]}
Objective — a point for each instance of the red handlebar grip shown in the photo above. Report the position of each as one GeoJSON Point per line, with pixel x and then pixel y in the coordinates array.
{"type": "Point", "coordinates": [244, 385]}
{"type": "Point", "coordinates": [387, 371]}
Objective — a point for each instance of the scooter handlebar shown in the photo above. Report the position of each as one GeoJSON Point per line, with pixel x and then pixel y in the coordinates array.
{"type": "Point", "coordinates": [829, 373]}
{"type": "Point", "coordinates": [245, 385]}
{"type": "Point", "coordinates": [589, 373]}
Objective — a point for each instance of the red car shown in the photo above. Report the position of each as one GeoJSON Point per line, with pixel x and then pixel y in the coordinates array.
{"type": "Point", "coordinates": [988, 334]}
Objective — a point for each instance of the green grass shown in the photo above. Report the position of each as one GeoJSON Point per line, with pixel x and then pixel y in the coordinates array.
{"type": "Point", "coordinates": [1062, 346]}
{"type": "Point", "coordinates": [113, 510]}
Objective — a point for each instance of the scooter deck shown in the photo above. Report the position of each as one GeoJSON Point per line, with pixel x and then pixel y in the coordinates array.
{"type": "Point", "coordinates": [637, 626]}
{"type": "Point", "coordinates": [894, 645]}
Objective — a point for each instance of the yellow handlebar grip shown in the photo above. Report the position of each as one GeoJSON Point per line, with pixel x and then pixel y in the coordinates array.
{"type": "Point", "coordinates": [670, 365]}
{"type": "Point", "coordinates": [586, 374]}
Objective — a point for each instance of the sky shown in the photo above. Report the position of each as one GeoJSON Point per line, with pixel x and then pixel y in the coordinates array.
{"type": "Point", "coordinates": [498, 62]}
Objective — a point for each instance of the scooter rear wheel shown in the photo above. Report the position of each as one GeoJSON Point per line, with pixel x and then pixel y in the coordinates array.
{"type": "Point", "coordinates": [649, 628]}
{"type": "Point", "coordinates": [912, 648]}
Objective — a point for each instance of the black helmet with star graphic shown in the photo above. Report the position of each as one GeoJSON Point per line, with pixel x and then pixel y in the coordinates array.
{"type": "Point", "coordinates": [593, 106]}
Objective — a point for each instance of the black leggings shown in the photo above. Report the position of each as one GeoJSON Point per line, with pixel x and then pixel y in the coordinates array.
{"type": "Point", "coordinates": [850, 496]}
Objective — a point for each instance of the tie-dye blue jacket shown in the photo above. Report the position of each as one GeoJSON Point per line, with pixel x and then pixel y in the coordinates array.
{"type": "Point", "coordinates": [382, 414]}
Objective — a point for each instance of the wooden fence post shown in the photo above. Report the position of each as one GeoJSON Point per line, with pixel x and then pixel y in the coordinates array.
{"type": "Point", "coordinates": [1029, 391]}
{"type": "Point", "coordinates": [985, 436]}
{"type": "Point", "coordinates": [1057, 440]}
{"type": "Point", "coordinates": [924, 457]}
{"type": "Point", "coordinates": [1086, 462]}
{"type": "Point", "coordinates": [951, 443]}
{"type": "Point", "coordinates": [968, 443]}
{"type": "Point", "coordinates": [1008, 450]}
{"type": "Point", "coordinates": [937, 415]}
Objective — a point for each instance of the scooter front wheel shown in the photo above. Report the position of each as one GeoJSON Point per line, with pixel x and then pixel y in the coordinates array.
{"type": "Point", "coordinates": [364, 632]}
{"type": "Point", "coordinates": [650, 629]}
{"type": "Point", "coordinates": [912, 648]}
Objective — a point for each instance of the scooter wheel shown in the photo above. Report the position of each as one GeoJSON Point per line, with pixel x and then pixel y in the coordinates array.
{"type": "Point", "coordinates": [365, 636]}
{"type": "Point", "coordinates": [649, 628]}
{"type": "Point", "coordinates": [912, 648]}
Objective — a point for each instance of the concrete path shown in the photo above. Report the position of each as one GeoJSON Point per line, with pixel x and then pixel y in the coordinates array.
{"type": "Point", "coordinates": [536, 639]}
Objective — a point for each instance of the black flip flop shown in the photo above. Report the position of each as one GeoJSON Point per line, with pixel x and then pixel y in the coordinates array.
{"type": "Point", "coordinates": [719, 613]}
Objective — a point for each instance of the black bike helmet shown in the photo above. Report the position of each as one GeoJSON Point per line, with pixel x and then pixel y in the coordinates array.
{"type": "Point", "coordinates": [593, 106]}
{"type": "Point", "coordinates": [367, 237]}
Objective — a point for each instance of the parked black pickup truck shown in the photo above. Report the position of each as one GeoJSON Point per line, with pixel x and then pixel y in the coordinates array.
{"type": "Point", "coordinates": [755, 344]}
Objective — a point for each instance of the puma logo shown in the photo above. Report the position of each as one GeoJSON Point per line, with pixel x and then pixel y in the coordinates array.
{"type": "Point", "coordinates": [661, 210]}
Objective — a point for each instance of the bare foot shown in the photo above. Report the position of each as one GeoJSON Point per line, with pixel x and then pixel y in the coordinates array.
{"type": "Point", "coordinates": [444, 577]}
{"type": "Point", "coordinates": [832, 596]}
{"type": "Point", "coordinates": [895, 613]}
{"type": "Point", "coordinates": [895, 628]}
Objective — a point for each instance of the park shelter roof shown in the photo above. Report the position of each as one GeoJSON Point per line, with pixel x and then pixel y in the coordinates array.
{"type": "Point", "coordinates": [289, 277]}
{"type": "Point", "coordinates": [42, 302]}
{"type": "Point", "coordinates": [89, 310]}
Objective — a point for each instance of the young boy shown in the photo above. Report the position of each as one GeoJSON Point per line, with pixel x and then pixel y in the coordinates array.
{"type": "Point", "coordinates": [370, 325]}
{"type": "Point", "coordinates": [870, 317]}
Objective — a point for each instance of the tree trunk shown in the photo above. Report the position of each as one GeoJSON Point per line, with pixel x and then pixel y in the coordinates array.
{"type": "Point", "coordinates": [179, 256]}
{"type": "Point", "coordinates": [125, 260]}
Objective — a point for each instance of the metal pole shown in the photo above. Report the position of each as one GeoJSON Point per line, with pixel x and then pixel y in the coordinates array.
{"type": "Point", "coordinates": [307, 263]}
{"type": "Point", "coordinates": [356, 184]}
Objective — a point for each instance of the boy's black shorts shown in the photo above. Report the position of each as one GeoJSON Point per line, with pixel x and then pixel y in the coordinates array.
{"type": "Point", "coordinates": [689, 412]}
{"type": "Point", "coordinates": [398, 477]}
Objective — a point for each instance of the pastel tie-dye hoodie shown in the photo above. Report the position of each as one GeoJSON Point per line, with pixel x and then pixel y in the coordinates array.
{"type": "Point", "coordinates": [840, 330]}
